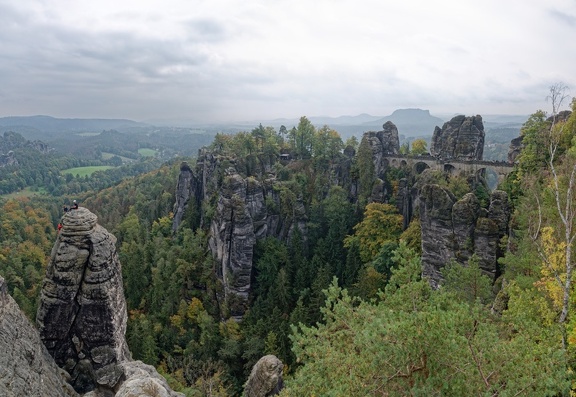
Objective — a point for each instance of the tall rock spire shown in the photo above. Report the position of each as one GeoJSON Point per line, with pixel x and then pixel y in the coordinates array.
{"type": "Point", "coordinates": [82, 313]}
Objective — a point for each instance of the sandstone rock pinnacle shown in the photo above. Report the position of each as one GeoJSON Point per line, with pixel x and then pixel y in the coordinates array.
{"type": "Point", "coordinates": [82, 313]}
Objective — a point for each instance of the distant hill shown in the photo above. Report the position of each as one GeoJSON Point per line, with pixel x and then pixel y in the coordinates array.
{"type": "Point", "coordinates": [53, 124]}
{"type": "Point", "coordinates": [410, 122]}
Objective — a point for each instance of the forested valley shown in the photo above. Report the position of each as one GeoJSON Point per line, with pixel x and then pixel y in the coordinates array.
{"type": "Point", "coordinates": [344, 306]}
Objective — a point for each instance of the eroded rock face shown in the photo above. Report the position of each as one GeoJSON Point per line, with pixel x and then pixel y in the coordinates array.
{"type": "Point", "coordinates": [456, 229]}
{"type": "Point", "coordinates": [461, 138]}
{"type": "Point", "coordinates": [383, 143]}
{"type": "Point", "coordinates": [247, 207]}
{"type": "Point", "coordinates": [82, 313]}
{"type": "Point", "coordinates": [265, 378]}
{"type": "Point", "coordinates": [514, 149]}
{"type": "Point", "coordinates": [232, 240]}
{"type": "Point", "coordinates": [188, 192]}
{"type": "Point", "coordinates": [26, 367]}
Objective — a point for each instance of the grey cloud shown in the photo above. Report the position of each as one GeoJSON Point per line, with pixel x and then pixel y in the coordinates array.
{"type": "Point", "coordinates": [206, 30]}
{"type": "Point", "coordinates": [563, 17]}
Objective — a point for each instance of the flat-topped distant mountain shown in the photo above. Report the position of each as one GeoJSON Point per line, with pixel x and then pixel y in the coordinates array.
{"type": "Point", "coordinates": [410, 122]}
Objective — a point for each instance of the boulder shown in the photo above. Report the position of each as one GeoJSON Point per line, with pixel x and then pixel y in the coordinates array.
{"type": "Point", "coordinates": [265, 378]}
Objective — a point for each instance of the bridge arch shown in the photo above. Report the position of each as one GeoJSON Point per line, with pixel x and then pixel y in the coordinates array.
{"type": "Point", "coordinates": [450, 169]}
{"type": "Point", "coordinates": [492, 175]}
{"type": "Point", "coordinates": [420, 166]}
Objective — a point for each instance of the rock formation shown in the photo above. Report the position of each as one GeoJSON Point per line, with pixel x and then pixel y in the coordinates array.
{"type": "Point", "coordinates": [457, 229]}
{"type": "Point", "coordinates": [247, 207]}
{"type": "Point", "coordinates": [188, 187]}
{"type": "Point", "coordinates": [265, 379]}
{"type": "Point", "coordinates": [382, 143]}
{"type": "Point", "coordinates": [82, 312]}
{"type": "Point", "coordinates": [461, 138]}
{"type": "Point", "coordinates": [514, 149]}
{"type": "Point", "coordinates": [26, 367]}
{"type": "Point", "coordinates": [8, 159]}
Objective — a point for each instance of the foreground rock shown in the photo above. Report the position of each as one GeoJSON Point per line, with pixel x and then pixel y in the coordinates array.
{"type": "Point", "coordinates": [82, 312]}
{"type": "Point", "coordinates": [26, 367]}
{"type": "Point", "coordinates": [265, 378]}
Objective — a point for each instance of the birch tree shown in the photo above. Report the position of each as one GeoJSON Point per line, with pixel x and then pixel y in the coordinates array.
{"type": "Point", "coordinates": [562, 187]}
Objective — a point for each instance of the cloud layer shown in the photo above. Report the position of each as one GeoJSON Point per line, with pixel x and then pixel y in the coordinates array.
{"type": "Point", "coordinates": [223, 60]}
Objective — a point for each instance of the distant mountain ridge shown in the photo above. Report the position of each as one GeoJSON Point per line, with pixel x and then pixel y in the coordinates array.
{"type": "Point", "coordinates": [53, 124]}
{"type": "Point", "coordinates": [410, 122]}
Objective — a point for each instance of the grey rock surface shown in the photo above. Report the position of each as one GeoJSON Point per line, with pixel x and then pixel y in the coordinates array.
{"type": "Point", "coordinates": [514, 149]}
{"type": "Point", "coordinates": [461, 138]}
{"type": "Point", "coordinates": [142, 380]}
{"type": "Point", "coordinates": [383, 143]}
{"type": "Point", "coordinates": [247, 207]}
{"type": "Point", "coordinates": [26, 367]}
{"type": "Point", "coordinates": [232, 240]}
{"type": "Point", "coordinates": [265, 378]}
{"type": "Point", "coordinates": [82, 312]}
{"type": "Point", "coordinates": [456, 229]}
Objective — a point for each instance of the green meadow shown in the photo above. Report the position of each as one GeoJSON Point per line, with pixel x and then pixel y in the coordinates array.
{"type": "Point", "coordinates": [145, 152]}
{"type": "Point", "coordinates": [83, 171]}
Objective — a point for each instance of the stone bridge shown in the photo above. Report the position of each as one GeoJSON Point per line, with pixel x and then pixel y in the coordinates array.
{"type": "Point", "coordinates": [454, 167]}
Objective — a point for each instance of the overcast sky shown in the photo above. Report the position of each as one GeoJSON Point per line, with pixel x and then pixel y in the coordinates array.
{"type": "Point", "coordinates": [232, 60]}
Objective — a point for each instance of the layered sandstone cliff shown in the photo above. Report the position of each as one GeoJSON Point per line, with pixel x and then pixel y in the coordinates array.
{"type": "Point", "coordinates": [247, 206]}
{"type": "Point", "coordinates": [457, 229]}
{"type": "Point", "coordinates": [461, 138]}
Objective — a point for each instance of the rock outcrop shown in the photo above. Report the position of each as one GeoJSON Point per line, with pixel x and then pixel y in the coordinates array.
{"type": "Point", "coordinates": [82, 312]}
{"type": "Point", "coordinates": [26, 367]}
{"type": "Point", "coordinates": [382, 143]}
{"type": "Point", "coordinates": [8, 159]}
{"type": "Point", "coordinates": [265, 379]}
{"type": "Point", "coordinates": [457, 229]}
{"type": "Point", "coordinates": [247, 206]}
{"type": "Point", "coordinates": [461, 138]}
{"type": "Point", "coordinates": [188, 192]}
{"type": "Point", "coordinates": [514, 149]}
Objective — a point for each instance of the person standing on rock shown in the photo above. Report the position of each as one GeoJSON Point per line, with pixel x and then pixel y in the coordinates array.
{"type": "Point", "coordinates": [74, 205]}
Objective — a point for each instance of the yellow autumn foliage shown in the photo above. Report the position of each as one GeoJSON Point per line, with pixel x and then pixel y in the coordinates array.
{"type": "Point", "coordinates": [553, 267]}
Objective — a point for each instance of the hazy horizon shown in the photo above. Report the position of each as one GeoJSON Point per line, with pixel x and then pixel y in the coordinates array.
{"type": "Point", "coordinates": [221, 61]}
